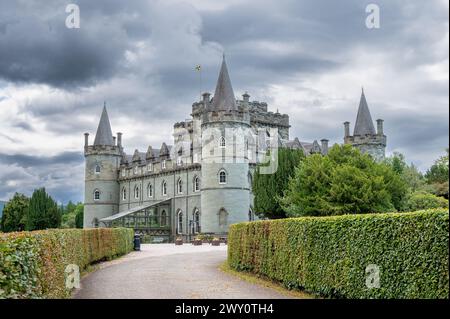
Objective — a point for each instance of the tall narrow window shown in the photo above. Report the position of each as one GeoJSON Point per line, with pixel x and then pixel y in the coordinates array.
{"type": "Point", "coordinates": [163, 164]}
{"type": "Point", "coordinates": [222, 177]}
{"type": "Point", "coordinates": [223, 218]}
{"type": "Point", "coordinates": [180, 186]}
{"type": "Point", "coordinates": [196, 184]}
{"type": "Point", "coordinates": [180, 222]}
{"type": "Point", "coordinates": [124, 193]}
{"type": "Point", "coordinates": [136, 192]}
{"type": "Point", "coordinates": [96, 194]}
{"type": "Point", "coordinates": [222, 143]}
{"type": "Point", "coordinates": [150, 167]}
{"type": "Point", "coordinates": [149, 190]}
{"type": "Point", "coordinates": [97, 169]}
{"type": "Point", "coordinates": [164, 188]}
{"type": "Point", "coordinates": [196, 221]}
{"type": "Point", "coordinates": [163, 221]}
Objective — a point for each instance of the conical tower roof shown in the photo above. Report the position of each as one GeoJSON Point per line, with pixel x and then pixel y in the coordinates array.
{"type": "Point", "coordinates": [364, 123]}
{"type": "Point", "coordinates": [104, 133]}
{"type": "Point", "coordinates": [224, 99]}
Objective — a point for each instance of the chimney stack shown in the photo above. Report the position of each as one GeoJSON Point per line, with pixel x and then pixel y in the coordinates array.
{"type": "Point", "coordinates": [119, 139]}
{"type": "Point", "coordinates": [206, 97]}
{"type": "Point", "coordinates": [86, 140]}
{"type": "Point", "coordinates": [347, 129]}
{"type": "Point", "coordinates": [380, 127]}
{"type": "Point", "coordinates": [246, 97]}
{"type": "Point", "coordinates": [324, 146]}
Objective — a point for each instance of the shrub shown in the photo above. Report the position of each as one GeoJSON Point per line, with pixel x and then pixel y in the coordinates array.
{"type": "Point", "coordinates": [329, 256]}
{"type": "Point", "coordinates": [421, 200]}
{"type": "Point", "coordinates": [32, 264]}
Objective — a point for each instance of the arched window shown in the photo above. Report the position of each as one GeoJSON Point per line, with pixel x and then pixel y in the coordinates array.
{"type": "Point", "coordinates": [150, 190]}
{"type": "Point", "coordinates": [222, 177]}
{"type": "Point", "coordinates": [96, 194]}
{"type": "Point", "coordinates": [180, 222]}
{"type": "Point", "coordinates": [97, 169]}
{"type": "Point", "coordinates": [163, 221]}
{"type": "Point", "coordinates": [196, 184]}
{"type": "Point", "coordinates": [164, 188]}
{"type": "Point", "coordinates": [136, 192]}
{"type": "Point", "coordinates": [124, 193]}
{"type": "Point", "coordinates": [223, 218]}
{"type": "Point", "coordinates": [180, 186]}
{"type": "Point", "coordinates": [196, 221]}
{"type": "Point", "coordinates": [222, 142]}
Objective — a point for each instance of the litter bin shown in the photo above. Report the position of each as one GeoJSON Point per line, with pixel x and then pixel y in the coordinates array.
{"type": "Point", "coordinates": [137, 242]}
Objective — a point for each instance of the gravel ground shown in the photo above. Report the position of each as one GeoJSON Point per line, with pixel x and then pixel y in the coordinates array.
{"type": "Point", "coordinates": [168, 271]}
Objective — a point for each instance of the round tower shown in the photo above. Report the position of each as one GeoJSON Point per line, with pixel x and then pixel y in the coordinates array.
{"type": "Point", "coordinates": [225, 190]}
{"type": "Point", "coordinates": [102, 160]}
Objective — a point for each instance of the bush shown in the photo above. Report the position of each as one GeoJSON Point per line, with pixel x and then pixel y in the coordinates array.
{"type": "Point", "coordinates": [32, 264]}
{"type": "Point", "coordinates": [329, 256]}
{"type": "Point", "coordinates": [421, 200]}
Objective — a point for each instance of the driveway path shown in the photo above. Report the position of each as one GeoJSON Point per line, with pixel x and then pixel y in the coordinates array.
{"type": "Point", "coordinates": [168, 271]}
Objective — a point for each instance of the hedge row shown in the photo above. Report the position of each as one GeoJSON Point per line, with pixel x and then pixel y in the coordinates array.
{"type": "Point", "coordinates": [333, 256]}
{"type": "Point", "coordinates": [32, 264]}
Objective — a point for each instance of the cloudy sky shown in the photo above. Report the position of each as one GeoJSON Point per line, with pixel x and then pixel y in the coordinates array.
{"type": "Point", "coordinates": [306, 58]}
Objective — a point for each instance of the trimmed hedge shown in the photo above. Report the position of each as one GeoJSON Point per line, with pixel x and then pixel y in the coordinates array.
{"type": "Point", "coordinates": [328, 256]}
{"type": "Point", "coordinates": [32, 264]}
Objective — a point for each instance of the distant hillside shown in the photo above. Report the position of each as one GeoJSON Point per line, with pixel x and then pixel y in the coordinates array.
{"type": "Point", "coordinates": [2, 204]}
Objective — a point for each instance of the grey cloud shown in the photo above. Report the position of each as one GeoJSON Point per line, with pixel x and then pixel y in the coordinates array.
{"type": "Point", "coordinates": [27, 161]}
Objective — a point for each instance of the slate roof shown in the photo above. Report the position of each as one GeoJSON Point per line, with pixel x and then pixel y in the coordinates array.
{"type": "Point", "coordinates": [224, 99]}
{"type": "Point", "coordinates": [364, 123]}
{"type": "Point", "coordinates": [104, 134]}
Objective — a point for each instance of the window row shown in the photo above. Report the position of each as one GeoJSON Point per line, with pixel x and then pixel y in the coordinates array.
{"type": "Point", "coordinates": [194, 223]}
{"type": "Point", "coordinates": [150, 190]}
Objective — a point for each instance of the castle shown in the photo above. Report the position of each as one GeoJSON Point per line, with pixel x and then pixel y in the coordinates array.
{"type": "Point", "coordinates": [202, 182]}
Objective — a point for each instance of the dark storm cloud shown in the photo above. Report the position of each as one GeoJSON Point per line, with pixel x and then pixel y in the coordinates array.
{"type": "Point", "coordinates": [139, 57]}
{"type": "Point", "coordinates": [27, 161]}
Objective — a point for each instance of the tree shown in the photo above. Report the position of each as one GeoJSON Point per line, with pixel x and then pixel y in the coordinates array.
{"type": "Point", "coordinates": [437, 176]}
{"type": "Point", "coordinates": [79, 214]}
{"type": "Point", "coordinates": [267, 188]}
{"type": "Point", "coordinates": [423, 200]}
{"type": "Point", "coordinates": [343, 182]}
{"type": "Point", "coordinates": [14, 213]}
{"type": "Point", "coordinates": [43, 211]}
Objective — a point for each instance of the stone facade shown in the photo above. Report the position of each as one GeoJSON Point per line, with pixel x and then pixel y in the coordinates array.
{"type": "Point", "coordinates": [203, 180]}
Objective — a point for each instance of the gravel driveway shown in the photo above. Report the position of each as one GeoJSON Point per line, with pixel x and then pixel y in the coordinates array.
{"type": "Point", "coordinates": [168, 271]}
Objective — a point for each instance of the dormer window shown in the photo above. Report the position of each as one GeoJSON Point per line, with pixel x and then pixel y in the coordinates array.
{"type": "Point", "coordinates": [135, 170]}
{"type": "Point", "coordinates": [150, 167]}
{"type": "Point", "coordinates": [163, 164]}
{"type": "Point", "coordinates": [179, 161]}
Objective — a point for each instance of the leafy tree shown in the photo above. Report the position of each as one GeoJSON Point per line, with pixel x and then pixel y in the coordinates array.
{"type": "Point", "coordinates": [43, 212]}
{"type": "Point", "coordinates": [70, 213]}
{"type": "Point", "coordinates": [14, 213]}
{"type": "Point", "coordinates": [268, 187]}
{"type": "Point", "coordinates": [437, 176]}
{"type": "Point", "coordinates": [343, 182]}
{"type": "Point", "coordinates": [79, 214]}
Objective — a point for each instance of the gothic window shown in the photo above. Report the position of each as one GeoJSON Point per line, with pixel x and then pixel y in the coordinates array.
{"type": "Point", "coordinates": [136, 192]}
{"type": "Point", "coordinates": [164, 188]}
{"type": "Point", "coordinates": [180, 222]}
{"type": "Point", "coordinates": [149, 190]}
{"type": "Point", "coordinates": [196, 221]}
{"type": "Point", "coordinates": [223, 218]}
{"type": "Point", "coordinates": [124, 194]}
{"type": "Point", "coordinates": [163, 222]}
{"type": "Point", "coordinates": [222, 177]}
{"type": "Point", "coordinates": [97, 169]}
{"type": "Point", "coordinates": [163, 164]}
{"type": "Point", "coordinates": [196, 184]}
{"type": "Point", "coordinates": [222, 143]}
{"type": "Point", "coordinates": [96, 194]}
{"type": "Point", "coordinates": [180, 186]}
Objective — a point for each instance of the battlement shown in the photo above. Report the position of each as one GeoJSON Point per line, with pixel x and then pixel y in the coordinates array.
{"type": "Point", "coordinates": [102, 150]}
